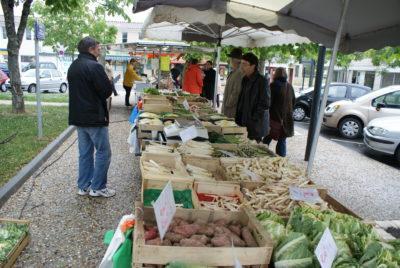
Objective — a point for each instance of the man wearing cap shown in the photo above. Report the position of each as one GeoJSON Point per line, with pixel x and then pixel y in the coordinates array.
{"type": "Point", "coordinates": [252, 108]}
{"type": "Point", "coordinates": [233, 84]}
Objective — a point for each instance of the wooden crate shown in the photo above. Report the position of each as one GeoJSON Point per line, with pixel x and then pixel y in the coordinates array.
{"type": "Point", "coordinates": [234, 130]}
{"type": "Point", "coordinates": [157, 108]}
{"type": "Point", "coordinates": [218, 188]}
{"type": "Point", "coordinates": [159, 97]}
{"type": "Point", "coordinates": [213, 256]}
{"type": "Point", "coordinates": [210, 164]}
{"type": "Point", "coordinates": [146, 143]}
{"type": "Point", "coordinates": [176, 185]}
{"type": "Point", "coordinates": [158, 101]}
{"type": "Point", "coordinates": [147, 127]}
{"type": "Point", "coordinates": [213, 128]}
{"type": "Point", "coordinates": [19, 247]}
{"type": "Point", "coordinates": [172, 162]}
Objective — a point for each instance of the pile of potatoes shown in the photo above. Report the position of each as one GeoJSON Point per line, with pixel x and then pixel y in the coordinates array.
{"type": "Point", "coordinates": [220, 233]}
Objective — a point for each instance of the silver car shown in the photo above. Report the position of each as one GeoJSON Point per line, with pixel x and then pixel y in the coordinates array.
{"type": "Point", "coordinates": [383, 135]}
{"type": "Point", "coordinates": [50, 80]}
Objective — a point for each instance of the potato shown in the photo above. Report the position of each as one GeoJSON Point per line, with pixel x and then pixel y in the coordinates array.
{"type": "Point", "coordinates": [186, 230]}
{"type": "Point", "coordinates": [202, 238]}
{"type": "Point", "coordinates": [206, 230]}
{"type": "Point", "coordinates": [173, 237]}
{"type": "Point", "coordinates": [248, 237]}
{"type": "Point", "coordinates": [237, 241]}
{"type": "Point", "coordinates": [166, 242]}
{"type": "Point", "coordinates": [189, 242]}
{"type": "Point", "coordinates": [235, 229]}
{"type": "Point", "coordinates": [221, 240]}
{"type": "Point", "coordinates": [221, 222]}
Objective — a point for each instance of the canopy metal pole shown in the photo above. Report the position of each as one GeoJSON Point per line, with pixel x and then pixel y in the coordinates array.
{"type": "Point", "coordinates": [328, 81]}
{"type": "Point", "coordinates": [159, 68]}
{"type": "Point", "coordinates": [217, 73]}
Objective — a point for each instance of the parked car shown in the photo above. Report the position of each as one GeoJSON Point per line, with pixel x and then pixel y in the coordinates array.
{"type": "Point", "coordinates": [3, 79]}
{"type": "Point", "coordinates": [337, 91]}
{"type": "Point", "coordinates": [43, 65]}
{"type": "Point", "coordinates": [50, 80]}
{"type": "Point", "coordinates": [350, 117]}
{"type": "Point", "coordinates": [383, 135]}
{"type": "Point", "coordinates": [4, 68]}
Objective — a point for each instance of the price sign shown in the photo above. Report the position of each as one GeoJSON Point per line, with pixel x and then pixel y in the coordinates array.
{"type": "Point", "coordinates": [237, 263]}
{"type": "Point", "coordinates": [186, 104]}
{"type": "Point", "coordinates": [326, 250]}
{"type": "Point", "coordinates": [309, 195]}
{"type": "Point", "coordinates": [252, 175]}
{"type": "Point", "coordinates": [188, 134]}
{"type": "Point", "coordinates": [164, 209]}
{"type": "Point", "coordinates": [172, 130]}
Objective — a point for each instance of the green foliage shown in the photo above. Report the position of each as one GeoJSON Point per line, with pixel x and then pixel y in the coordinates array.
{"type": "Point", "coordinates": [389, 56]}
{"type": "Point", "coordinates": [66, 27]}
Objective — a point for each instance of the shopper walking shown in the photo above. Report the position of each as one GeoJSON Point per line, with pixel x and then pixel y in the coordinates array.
{"type": "Point", "coordinates": [193, 78]}
{"type": "Point", "coordinates": [110, 74]}
{"type": "Point", "coordinates": [89, 87]}
{"type": "Point", "coordinates": [209, 81]}
{"type": "Point", "coordinates": [129, 79]}
{"type": "Point", "coordinates": [281, 111]}
{"type": "Point", "coordinates": [233, 84]}
{"type": "Point", "coordinates": [253, 104]}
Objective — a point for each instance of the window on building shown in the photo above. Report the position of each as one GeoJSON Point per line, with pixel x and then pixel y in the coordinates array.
{"type": "Point", "coordinates": [296, 70]}
{"type": "Point", "coordinates": [389, 79]}
{"type": "Point", "coordinates": [369, 79]}
{"type": "Point", "coordinates": [124, 37]}
{"type": "Point", "coordinates": [3, 30]}
{"type": "Point", "coordinates": [28, 34]}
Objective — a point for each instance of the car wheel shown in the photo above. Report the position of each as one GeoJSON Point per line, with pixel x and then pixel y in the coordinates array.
{"type": "Point", "coordinates": [350, 128]}
{"type": "Point", "coordinates": [3, 87]}
{"type": "Point", "coordinates": [299, 113]}
{"type": "Point", "coordinates": [32, 88]}
{"type": "Point", "coordinates": [63, 88]}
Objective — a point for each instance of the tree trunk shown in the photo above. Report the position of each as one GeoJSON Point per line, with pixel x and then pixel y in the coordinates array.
{"type": "Point", "coordinates": [261, 67]}
{"type": "Point", "coordinates": [13, 46]}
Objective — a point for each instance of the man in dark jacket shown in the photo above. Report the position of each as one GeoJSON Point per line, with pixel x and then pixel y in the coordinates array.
{"type": "Point", "coordinates": [209, 81]}
{"type": "Point", "coordinates": [89, 87]}
{"type": "Point", "coordinates": [252, 108]}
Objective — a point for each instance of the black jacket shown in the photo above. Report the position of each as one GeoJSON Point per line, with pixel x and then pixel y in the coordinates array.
{"type": "Point", "coordinates": [253, 104]}
{"type": "Point", "coordinates": [209, 84]}
{"type": "Point", "coordinates": [89, 88]}
{"type": "Point", "coordinates": [282, 103]}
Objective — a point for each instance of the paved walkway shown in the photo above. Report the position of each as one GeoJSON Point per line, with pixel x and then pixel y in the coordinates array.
{"type": "Point", "coordinates": [67, 229]}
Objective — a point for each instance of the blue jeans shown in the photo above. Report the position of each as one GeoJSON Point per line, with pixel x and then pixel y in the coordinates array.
{"type": "Point", "coordinates": [280, 146]}
{"type": "Point", "coordinates": [93, 173]}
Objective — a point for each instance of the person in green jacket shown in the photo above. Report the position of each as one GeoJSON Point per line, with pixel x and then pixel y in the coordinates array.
{"type": "Point", "coordinates": [233, 84]}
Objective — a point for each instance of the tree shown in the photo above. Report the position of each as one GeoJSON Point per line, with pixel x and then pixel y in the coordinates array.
{"type": "Point", "coordinates": [110, 7]}
{"type": "Point", "coordinates": [67, 28]}
{"type": "Point", "coordinates": [13, 46]}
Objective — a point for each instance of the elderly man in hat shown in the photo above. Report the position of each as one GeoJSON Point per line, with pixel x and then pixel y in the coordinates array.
{"type": "Point", "coordinates": [233, 84]}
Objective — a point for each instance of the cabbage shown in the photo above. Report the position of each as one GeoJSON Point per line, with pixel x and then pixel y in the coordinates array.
{"type": "Point", "coordinates": [293, 251]}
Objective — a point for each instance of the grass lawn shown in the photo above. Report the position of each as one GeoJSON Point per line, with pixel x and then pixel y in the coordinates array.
{"type": "Point", "coordinates": [25, 145]}
{"type": "Point", "coordinates": [45, 97]}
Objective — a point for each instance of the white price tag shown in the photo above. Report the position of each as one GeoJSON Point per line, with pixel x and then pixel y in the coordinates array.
{"type": "Point", "coordinates": [164, 209]}
{"type": "Point", "coordinates": [326, 250]}
{"type": "Point", "coordinates": [252, 175]}
{"type": "Point", "coordinates": [237, 263]}
{"type": "Point", "coordinates": [172, 130]}
{"type": "Point", "coordinates": [309, 195]}
{"type": "Point", "coordinates": [186, 104]}
{"type": "Point", "coordinates": [188, 134]}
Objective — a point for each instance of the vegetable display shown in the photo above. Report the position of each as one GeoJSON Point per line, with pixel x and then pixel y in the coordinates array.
{"type": "Point", "coordinates": [151, 91]}
{"type": "Point", "coordinates": [220, 233]}
{"type": "Point", "coordinates": [151, 121]}
{"type": "Point", "coordinates": [199, 174]}
{"type": "Point", "coordinates": [183, 198]}
{"type": "Point", "coordinates": [154, 147]}
{"type": "Point", "coordinates": [218, 202]}
{"type": "Point", "coordinates": [196, 148]}
{"type": "Point", "coordinates": [214, 137]}
{"type": "Point", "coordinates": [10, 235]}
{"type": "Point", "coordinates": [225, 123]}
{"type": "Point", "coordinates": [267, 168]}
{"type": "Point", "coordinates": [149, 115]}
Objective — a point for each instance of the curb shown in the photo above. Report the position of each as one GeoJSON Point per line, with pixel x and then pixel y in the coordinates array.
{"type": "Point", "coordinates": [13, 185]}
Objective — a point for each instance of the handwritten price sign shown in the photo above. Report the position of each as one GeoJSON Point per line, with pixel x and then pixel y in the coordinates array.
{"type": "Point", "coordinates": [164, 209]}
{"type": "Point", "coordinates": [309, 195]}
{"type": "Point", "coordinates": [326, 250]}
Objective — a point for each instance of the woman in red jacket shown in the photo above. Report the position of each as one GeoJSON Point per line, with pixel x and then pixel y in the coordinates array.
{"type": "Point", "coordinates": [193, 79]}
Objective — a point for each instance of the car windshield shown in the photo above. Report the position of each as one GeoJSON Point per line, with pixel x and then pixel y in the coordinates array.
{"type": "Point", "coordinates": [310, 89]}
{"type": "Point", "coordinates": [29, 73]}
